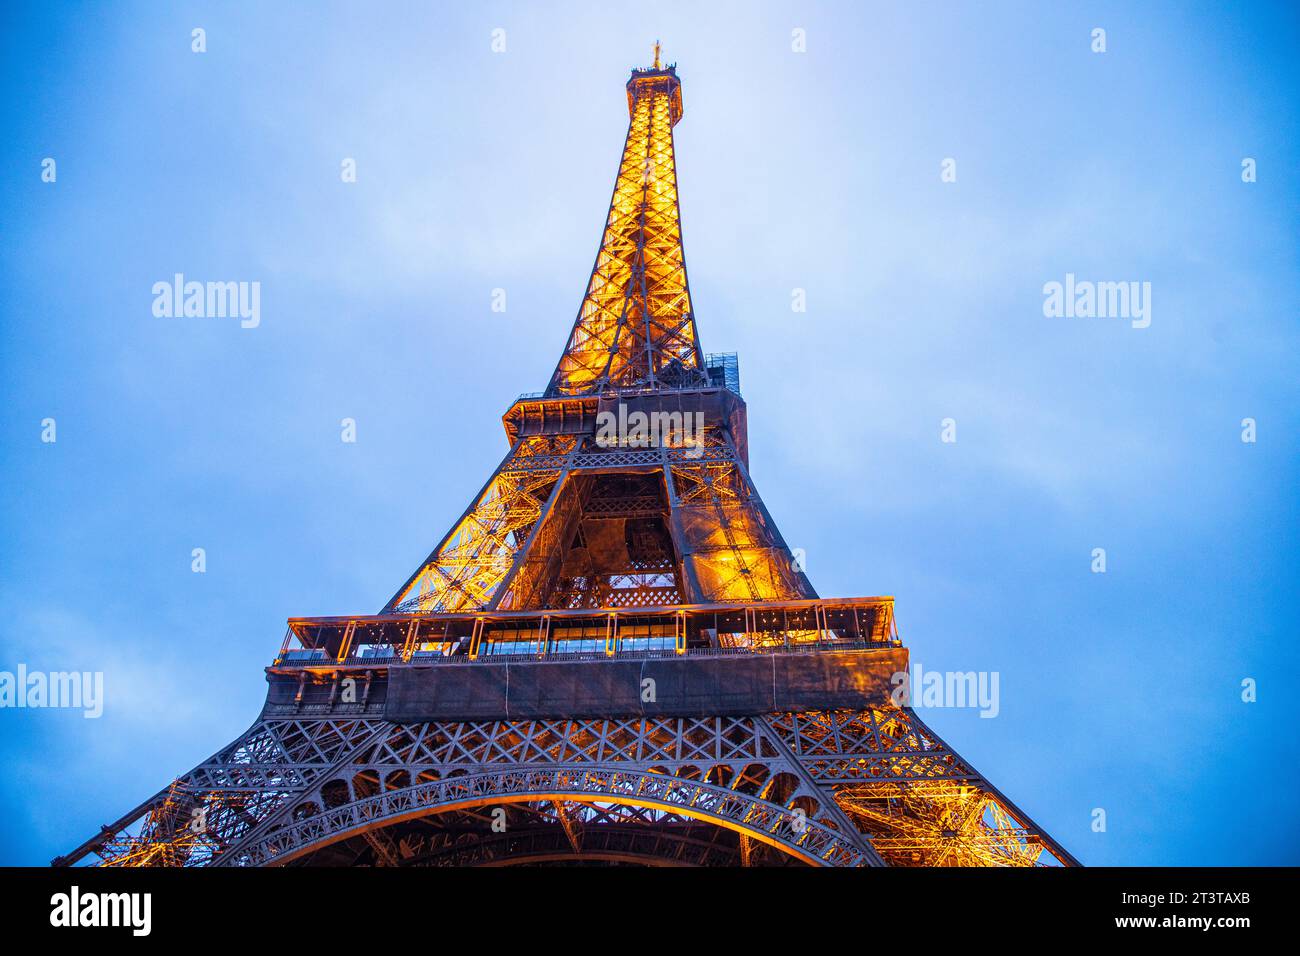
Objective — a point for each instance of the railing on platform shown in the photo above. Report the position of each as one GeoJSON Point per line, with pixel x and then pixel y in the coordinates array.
{"type": "Point", "coordinates": [378, 641]}
{"type": "Point", "coordinates": [721, 370]}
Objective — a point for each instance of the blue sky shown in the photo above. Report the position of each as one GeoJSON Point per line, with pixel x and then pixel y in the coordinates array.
{"type": "Point", "coordinates": [819, 171]}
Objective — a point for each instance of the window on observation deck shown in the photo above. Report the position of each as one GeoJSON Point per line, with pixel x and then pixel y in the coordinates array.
{"type": "Point", "coordinates": [588, 639]}
{"type": "Point", "coordinates": [723, 370]}
{"type": "Point", "coordinates": [507, 641]}
{"type": "Point", "coordinates": [436, 649]}
{"type": "Point", "coordinates": [647, 637]}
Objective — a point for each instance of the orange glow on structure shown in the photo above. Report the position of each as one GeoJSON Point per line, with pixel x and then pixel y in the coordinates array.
{"type": "Point", "coordinates": [635, 325]}
{"type": "Point", "coordinates": [622, 557]}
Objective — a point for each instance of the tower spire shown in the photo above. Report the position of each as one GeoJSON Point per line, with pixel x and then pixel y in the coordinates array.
{"type": "Point", "coordinates": [635, 328]}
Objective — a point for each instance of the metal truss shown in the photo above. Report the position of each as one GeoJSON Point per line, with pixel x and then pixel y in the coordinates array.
{"type": "Point", "coordinates": [478, 553]}
{"type": "Point", "coordinates": [832, 788]}
{"type": "Point", "coordinates": [771, 824]}
{"type": "Point", "coordinates": [510, 547]}
{"type": "Point", "coordinates": [635, 325]}
{"type": "Point", "coordinates": [732, 548]}
{"type": "Point", "coordinates": [605, 835]}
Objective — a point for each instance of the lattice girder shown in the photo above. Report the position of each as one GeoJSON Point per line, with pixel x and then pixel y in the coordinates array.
{"type": "Point", "coordinates": [481, 549]}
{"type": "Point", "coordinates": [635, 326]}
{"type": "Point", "coordinates": [909, 798]}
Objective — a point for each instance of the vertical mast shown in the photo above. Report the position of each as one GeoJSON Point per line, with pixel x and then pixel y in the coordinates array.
{"type": "Point", "coordinates": [635, 328]}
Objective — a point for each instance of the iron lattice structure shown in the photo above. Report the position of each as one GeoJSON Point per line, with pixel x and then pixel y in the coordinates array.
{"type": "Point", "coordinates": [495, 711]}
{"type": "Point", "coordinates": [635, 327]}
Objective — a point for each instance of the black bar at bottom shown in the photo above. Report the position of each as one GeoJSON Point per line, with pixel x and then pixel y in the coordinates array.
{"type": "Point", "coordinates": [865, 908]}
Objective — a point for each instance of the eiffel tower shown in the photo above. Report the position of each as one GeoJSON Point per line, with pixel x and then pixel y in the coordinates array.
{"type": "Point", "coordinates": [611, 658]}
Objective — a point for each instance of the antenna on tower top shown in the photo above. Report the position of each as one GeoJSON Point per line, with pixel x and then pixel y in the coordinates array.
{"type": "Point", "coordinates": [657, 55]}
